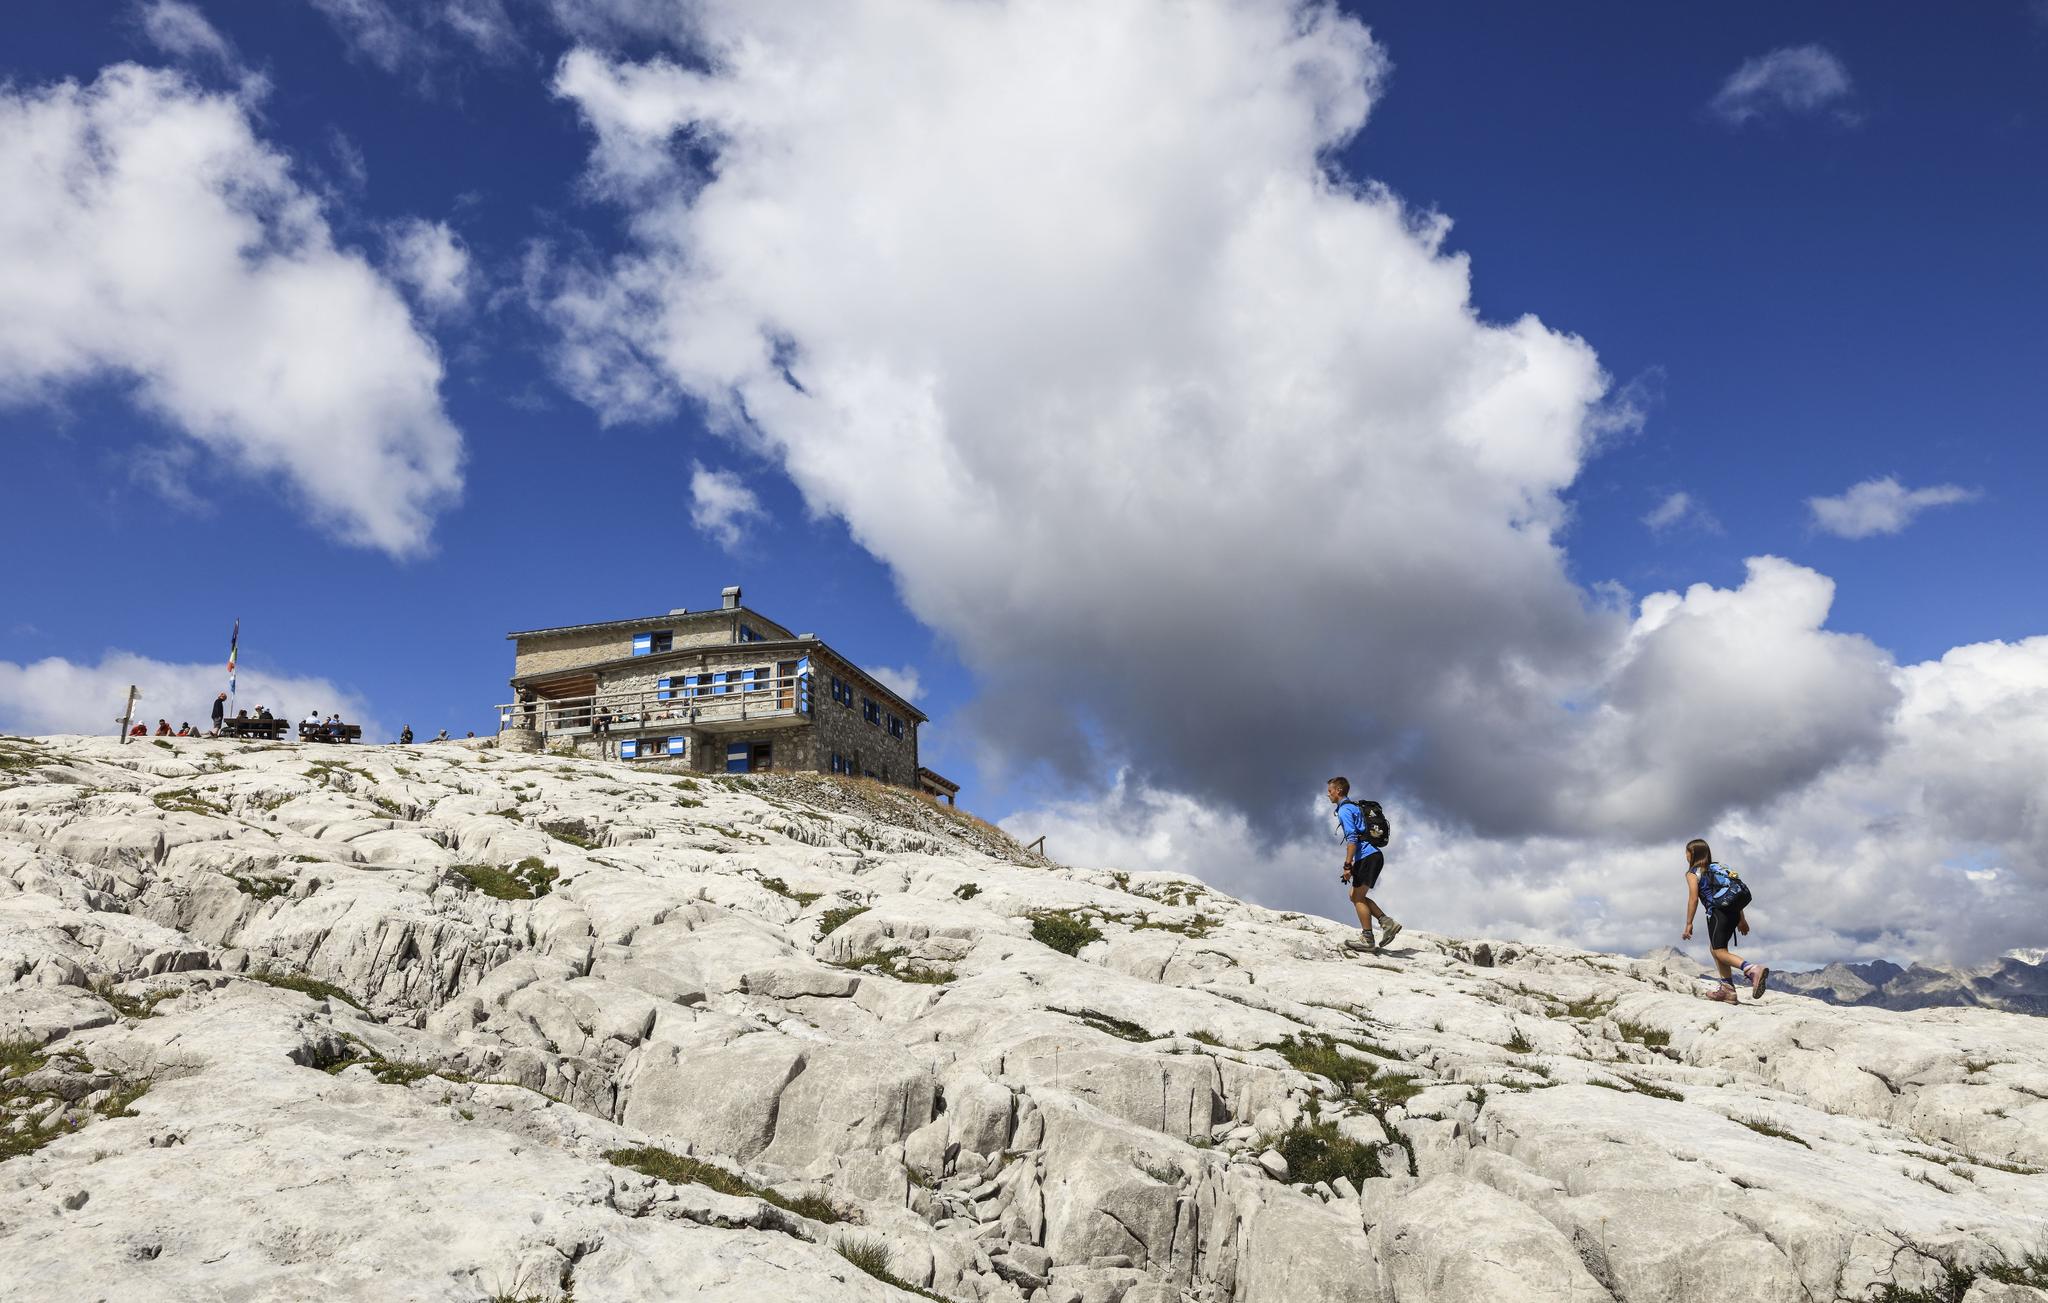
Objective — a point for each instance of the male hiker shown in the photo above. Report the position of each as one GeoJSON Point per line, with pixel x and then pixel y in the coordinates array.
{"type": "Point", "coordinates": [1363, 860]}
{"type": "Point", "coordinates": [1714, 885]}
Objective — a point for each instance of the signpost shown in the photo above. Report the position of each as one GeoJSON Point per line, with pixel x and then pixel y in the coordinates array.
{"type": "Point", "coordinates": [134, 695]}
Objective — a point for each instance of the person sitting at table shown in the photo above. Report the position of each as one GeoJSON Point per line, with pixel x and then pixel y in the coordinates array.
{"type": "Point", "coordinates": [186, 730]}
{"type": "Point", "coordinates": [140, 730]}
{"type": "Point", "coordinates": [263, 712]}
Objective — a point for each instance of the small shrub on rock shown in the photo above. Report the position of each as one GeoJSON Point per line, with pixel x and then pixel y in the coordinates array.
{"type": "Point", "coordinates": [530, 879]}
{"type": "Point", "coordinates": [1315, 1151]}
{"type": "Point", "coordinates": [1063, 930]}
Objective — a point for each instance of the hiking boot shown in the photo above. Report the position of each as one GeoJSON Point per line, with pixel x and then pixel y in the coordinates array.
{"type": "Point", "coordinates": [1757, 980]}
{"type": "Point", "coordinates": [1362, 944]}
{"type": "Point", "coordinates": [1724, 993]}
{"type": "Point", "coordinates": [1388, 931]}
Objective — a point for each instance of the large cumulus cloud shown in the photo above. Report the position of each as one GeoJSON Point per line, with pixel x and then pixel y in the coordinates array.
{"type": "Point", "coordinates": [1196, 448]}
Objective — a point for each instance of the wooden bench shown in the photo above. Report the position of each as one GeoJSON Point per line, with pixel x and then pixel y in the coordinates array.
{"type": "Point", "coordinates": [330, 732]}
{"type": "Point", "coordinates": [269, 729]}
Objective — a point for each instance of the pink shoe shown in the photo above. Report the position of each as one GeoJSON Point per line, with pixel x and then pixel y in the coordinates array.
{"type": "Point", "coordinates": [1724, 993]}
{"type": "Point", "coordinates": [1756, 982]}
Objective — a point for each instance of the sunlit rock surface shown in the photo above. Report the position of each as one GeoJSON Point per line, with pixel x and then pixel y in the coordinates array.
{"type": "Point", "coordinates": [271, 1036]}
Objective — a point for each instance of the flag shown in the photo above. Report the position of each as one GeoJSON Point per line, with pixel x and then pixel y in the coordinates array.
{"type": "Point", "coordinates": [234, 645]}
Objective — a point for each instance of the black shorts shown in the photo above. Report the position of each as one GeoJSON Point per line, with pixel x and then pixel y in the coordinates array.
{"type": "Point", "coordinates": [1365, 871]}
{"type": "Point", "coordinates": [1721, 922]}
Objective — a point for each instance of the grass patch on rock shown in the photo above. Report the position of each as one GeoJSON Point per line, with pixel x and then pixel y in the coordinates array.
{"type": "Point", "coordinates": [183, 800]}
{"type": "Point", "coordinates": [1765, 1127]}
{"type": "Point", "coordinates": [1635, 1033]}
{"type": "Point", "coordinates": [572, 833]}
{"type": "Point", "coordinates": [304, 985]}
{"type": "Point", "coordinates": [891, 963]}
{"type": "Point", "coordinates": [134, 1006]}
{"type": "Point", "coordinates": [871, 1255]}
{"type": "Point", "coordinates": [967, 890]}
{"type": "Point", "coordinates": [1324, 1056]}
{"type": "Point", "coordinates": [530, 879]}
{"type": "Point", "coordinates": [680, 1169]}
{"type": "Point", "coordinates": [833, 919]}
{"type": "Point", "coordinates": [1118, 1027]}
{"type": "Point", "coordinates": [1198, 926]}
{"type": "Point", "coordinates": [781, 888]}
{"type": "Point", "coordinates": [262, 888]}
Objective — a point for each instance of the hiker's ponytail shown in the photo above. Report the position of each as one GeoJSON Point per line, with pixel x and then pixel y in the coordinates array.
{"type": "Point", "coordinates": [1697, 853]}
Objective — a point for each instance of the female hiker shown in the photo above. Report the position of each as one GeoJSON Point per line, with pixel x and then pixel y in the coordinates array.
{"type": "Point", "coordinates": [1718, 888]}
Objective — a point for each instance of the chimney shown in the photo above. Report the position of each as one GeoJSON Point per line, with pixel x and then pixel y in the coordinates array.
{"type": "Point", "coordinates": [732, 598]}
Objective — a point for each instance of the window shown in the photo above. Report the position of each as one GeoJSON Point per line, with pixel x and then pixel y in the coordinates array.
{"type": "Point", "coordinates": [838, 763]}
{"type": "Point", "coordinates": [748, 635]}
{"type": "Point", "coordinates": [842, 691]}
{"type": "Point", "coordinates": [764, 757]}
{"type": "Point", "coordinates": [895, 727]}
{"type": "Point", "coordinates": [654, 643]}
{"type": "Point", "coordinates": [869, 711]}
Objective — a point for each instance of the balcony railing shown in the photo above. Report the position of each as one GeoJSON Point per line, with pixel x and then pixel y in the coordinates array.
{"type": "Point", "coordinates": [769, 696]}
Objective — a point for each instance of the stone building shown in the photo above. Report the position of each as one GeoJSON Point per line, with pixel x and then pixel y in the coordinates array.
{"type": "Point", "coordinates": [719, 691]}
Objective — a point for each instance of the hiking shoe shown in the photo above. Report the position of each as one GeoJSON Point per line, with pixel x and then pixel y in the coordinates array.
{"type": "Point", "coordinates": [1362, 944]}
{"type": "Point", "coordinates": [1388, 932]}
{"type": "Point", "coordinates": [1724, 993]}
{"type": "Point", "coordinates": [1757, 980]}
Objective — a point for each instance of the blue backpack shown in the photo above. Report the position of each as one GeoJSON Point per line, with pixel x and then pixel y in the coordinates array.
{"type": "Point", "coordinates": [1718, 885]}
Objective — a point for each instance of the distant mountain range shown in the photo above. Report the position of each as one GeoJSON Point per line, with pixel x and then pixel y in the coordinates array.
{"type": "Point", "coordinates": [2016, 982]}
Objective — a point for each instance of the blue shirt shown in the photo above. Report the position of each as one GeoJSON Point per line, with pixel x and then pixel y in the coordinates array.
{"type": "Point", "coordinates": [1351, 823]}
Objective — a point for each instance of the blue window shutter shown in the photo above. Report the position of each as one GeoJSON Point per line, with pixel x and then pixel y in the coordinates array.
{"type": "Point", "coordinates": [675, 746]}
{"type": "Point", "coordinates": [662, 693]}
{"type": "Point", "coordinates": [736, 757]}
{"type": "Point", "coordinates": [629, 750]}
{"type": "Point", "coordinates": [643, 644]}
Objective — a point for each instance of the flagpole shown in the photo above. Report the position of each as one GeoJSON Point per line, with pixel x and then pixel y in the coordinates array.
{"type": "Point", "coordinates": [234, 646]}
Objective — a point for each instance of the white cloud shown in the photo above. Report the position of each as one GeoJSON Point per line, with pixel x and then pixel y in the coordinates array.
{"type": "Point", "coordinates": [150, 237]}
{"type": "Point", "coordinates": [1200, 454]}
{"type": "Point", "coordinates": [182, 31]}
{"type": "Point", "coordinates": [430, 258]}
{"type": "Point", "coordinates": [55, 695]}
{"type": "Point", "coordinates": [1881, 506]}
{"type": "Point", "coordinates": [722, 505]}
{"type": "Point", "coordinates": [1933, 844]}
{"type": "Point", "coordinates": [904, 680]}
{"type": "Point", "coordinates": [409, 37]}
{"type": "Point", "coordinates": [1796, 80]}
{"type": "Point", "coordinates": [1681, 508]}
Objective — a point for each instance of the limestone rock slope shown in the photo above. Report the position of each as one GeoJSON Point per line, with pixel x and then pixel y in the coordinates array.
{"type": "Point", "coordinates": [441, 1023]}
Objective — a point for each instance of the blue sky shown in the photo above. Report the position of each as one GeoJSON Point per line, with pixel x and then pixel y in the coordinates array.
{"type": "Point", "coordinates": [1812, 298]}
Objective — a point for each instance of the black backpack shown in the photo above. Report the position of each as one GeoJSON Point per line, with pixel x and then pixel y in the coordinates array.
{"type": "Point", "coordinates": [1376, 830]}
